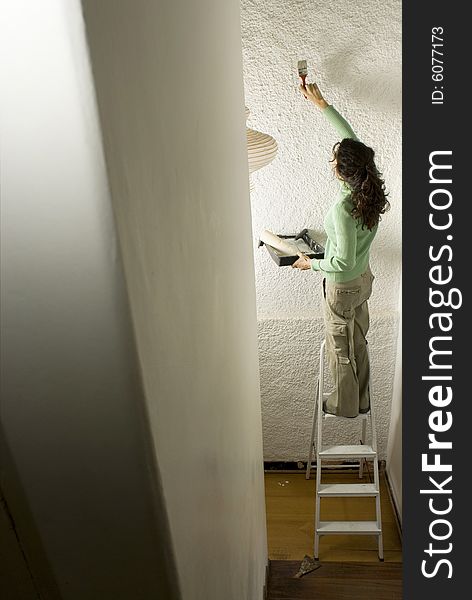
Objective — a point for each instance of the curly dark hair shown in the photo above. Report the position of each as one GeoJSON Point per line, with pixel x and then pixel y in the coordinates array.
{"type": "Point", "coordinates": [355, 165]}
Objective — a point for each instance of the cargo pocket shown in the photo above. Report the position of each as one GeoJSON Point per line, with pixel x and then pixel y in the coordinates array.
{"type": "Point", "coordinates": [346, 300]}
{"type": "Point", "coordinates": [341, 365]}
{"type": "Point", "coordinates": [338, 334]}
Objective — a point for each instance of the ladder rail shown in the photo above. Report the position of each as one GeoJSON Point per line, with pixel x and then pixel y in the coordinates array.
{"type": "Point", "coordinates": [363, 438]}
{"type": "Point", "coordinates": [372, 410]}
{"type": "Point", "coordinates": [320, 399]}
{"type": "Point", "coordinates": [313, 427]}
{"type": "Point", "coordinates": [319, 447]}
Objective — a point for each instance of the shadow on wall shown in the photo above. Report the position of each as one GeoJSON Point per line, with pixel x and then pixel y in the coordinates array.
{"type": "Point", "coordinates": [379, 91]}
{"type": "Point", "coordinates": [390, 254]}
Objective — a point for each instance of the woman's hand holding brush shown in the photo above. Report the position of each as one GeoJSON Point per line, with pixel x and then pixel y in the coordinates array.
{"type": "Point", "coordinates": [312, 92]}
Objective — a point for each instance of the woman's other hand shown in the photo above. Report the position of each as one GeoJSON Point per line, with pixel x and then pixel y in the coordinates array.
{"type": "Point", "coordinates": [312, 92]}
{"type": "Point", "coordinates": [302, 263]}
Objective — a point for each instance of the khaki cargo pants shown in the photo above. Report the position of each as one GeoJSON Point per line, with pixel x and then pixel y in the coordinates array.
{"type": "Point", "coordinates": [347, 322]}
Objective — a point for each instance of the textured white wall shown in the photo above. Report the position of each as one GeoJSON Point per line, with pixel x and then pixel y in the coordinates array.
{"type": "Point", "coordinates": [355, 50]}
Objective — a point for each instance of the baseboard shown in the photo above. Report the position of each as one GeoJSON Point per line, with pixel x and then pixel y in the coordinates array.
{"type": "Point", "coordinates": [281, 465]}
{"type": "Point", "coordinates": [393, 501]}
{"type": "Point", "coordinates": [299, 466]}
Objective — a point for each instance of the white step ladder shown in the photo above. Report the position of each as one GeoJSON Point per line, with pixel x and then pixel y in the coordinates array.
{"type": "Point", "coordinates": [362, 452]}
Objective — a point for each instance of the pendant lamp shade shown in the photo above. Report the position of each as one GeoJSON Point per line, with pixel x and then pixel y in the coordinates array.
{"type": "Point", "coordinates": [261, 148]}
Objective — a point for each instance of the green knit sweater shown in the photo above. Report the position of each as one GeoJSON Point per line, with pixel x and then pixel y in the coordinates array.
{"type": "Point", "coordinates": [348, 244]}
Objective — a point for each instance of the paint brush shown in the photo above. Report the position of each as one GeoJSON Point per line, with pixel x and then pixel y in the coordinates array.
{"type": "Point", "coordinates": [302, 71]}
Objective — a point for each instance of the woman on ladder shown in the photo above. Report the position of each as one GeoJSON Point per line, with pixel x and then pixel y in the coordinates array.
{"type": "Point", "coordinates": [351, 225]}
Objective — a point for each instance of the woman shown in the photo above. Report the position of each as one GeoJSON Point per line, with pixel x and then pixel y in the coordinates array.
{"type": "Point", "coordinates": [351, 225]}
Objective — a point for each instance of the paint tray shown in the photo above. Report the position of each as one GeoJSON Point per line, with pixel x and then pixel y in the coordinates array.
{"type": "Point", "coordinates": [304, 243]}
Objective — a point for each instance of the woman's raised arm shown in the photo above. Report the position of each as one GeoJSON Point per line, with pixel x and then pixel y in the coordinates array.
{"type": "Point", "coordinates": [312, 92]}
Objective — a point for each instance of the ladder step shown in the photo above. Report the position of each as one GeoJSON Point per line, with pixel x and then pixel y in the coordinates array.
{"type": "Point", "coordinates": [350, 527]}
{"type": "Point", "coordinates": [355, 451]}
{"type": "Point", "coordinates": [348, 489]}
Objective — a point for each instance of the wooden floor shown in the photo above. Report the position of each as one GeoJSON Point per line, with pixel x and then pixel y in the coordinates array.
{"type": "Point", "coordinates": [335, 581]}
{"type": "Point", "coordinates": [290, 520]}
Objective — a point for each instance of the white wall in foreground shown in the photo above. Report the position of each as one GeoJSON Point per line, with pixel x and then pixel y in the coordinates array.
{"type": "Point", "coordinates": [170, 93]}
{"type": "Point", "coordinates": [354, 49]}
{"type": "Point", "coordinates": [72, 398]}
{"type": "Point", "coordinates": [75, 387]}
